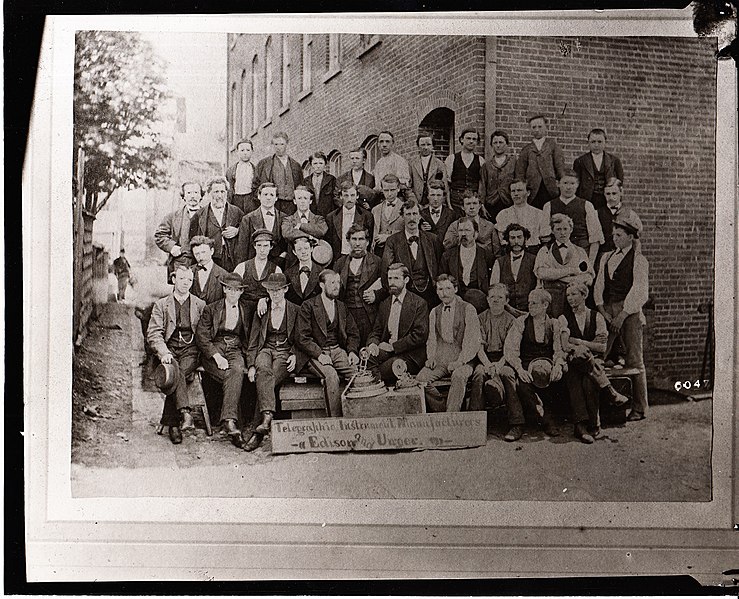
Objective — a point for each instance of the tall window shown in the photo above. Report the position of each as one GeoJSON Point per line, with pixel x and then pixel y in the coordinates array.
{"type": "Point", "coordinates": [255, 92]}
{"type": "Point", "coordinates": [285, 78]}
{"type": "Point", "coordinates": [333, 54]}
{"type": "Point", "coordinates": [244, 105]}
{"type": "Point", "coordinates": [334, 163]}
{"type": "Point", "coordinates": [306, 63]}
{"type": "Point", "coordinates": [234, 113]}
{"type": "Point", "coordinates": [440, 124]}
{"type": "Point", "coordinates": [268, 79]}
{"type": "Point", "coordinates": [373, 152]}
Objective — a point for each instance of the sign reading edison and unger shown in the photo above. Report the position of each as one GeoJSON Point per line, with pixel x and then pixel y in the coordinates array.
{"type": "Point", "coordinates": [428, 431]}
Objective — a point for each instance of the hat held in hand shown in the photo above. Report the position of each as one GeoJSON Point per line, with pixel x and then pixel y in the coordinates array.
{"type": "Point", "coordinates": [165, 377]}
{"type": "Point", "coordinates": [541, 372]}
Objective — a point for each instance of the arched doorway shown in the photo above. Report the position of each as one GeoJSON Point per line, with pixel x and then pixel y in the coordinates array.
{"type": "Point", "coordinates": [440, 124]}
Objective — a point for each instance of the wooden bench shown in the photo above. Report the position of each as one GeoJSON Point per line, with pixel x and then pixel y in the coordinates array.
{"type": "Point", "coordinates": [303, 397]}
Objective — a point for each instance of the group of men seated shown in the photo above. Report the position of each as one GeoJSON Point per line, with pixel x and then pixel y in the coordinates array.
{"type": "Point", "coordinates": [504, 301]}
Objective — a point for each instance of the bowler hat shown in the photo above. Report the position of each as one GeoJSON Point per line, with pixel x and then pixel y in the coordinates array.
{"type": "Point", "coordinates": [276, 280]}
{"type": "Point", "coordinates": [262, 235]}
{"type": "Point", "coordinates": [540, 370]}
{"type": "Point", "coordinates": [165, 377]}
{"type": "Point", "coordinates": [323, 253]}
{"type": "Point", "coordinates": [232, 279]}
{"type": "Point", "coordinates": [627, 220]}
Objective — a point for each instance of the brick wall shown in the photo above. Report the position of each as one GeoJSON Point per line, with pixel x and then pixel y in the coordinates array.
{"type": "Point", "coordinates": [656, 99]}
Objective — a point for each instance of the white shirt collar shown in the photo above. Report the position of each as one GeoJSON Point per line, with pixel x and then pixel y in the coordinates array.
{"type": "Point", "coordinates": [401, 295]}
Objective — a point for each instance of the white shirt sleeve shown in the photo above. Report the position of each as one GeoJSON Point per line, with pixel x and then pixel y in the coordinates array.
{"type": "Point", "coordinates": [639, 292]}
{"type": "Point", "coordinates": [595, 232]}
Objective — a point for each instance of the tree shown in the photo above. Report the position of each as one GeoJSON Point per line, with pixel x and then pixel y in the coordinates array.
{"type": "Point", "coordinates": [119, 91]}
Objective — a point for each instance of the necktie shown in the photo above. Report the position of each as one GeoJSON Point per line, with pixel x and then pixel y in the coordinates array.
{"type": "Point", "coordinates": [413, 239]}
{"type": "Point", "coordinates": [304, 269]}
{"type": "Point", "coordinates": [436, 212]}
{"type": "Point", "coordinates": [516, 257]}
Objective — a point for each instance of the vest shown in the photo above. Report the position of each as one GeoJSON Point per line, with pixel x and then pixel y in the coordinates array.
{"type": "Point", "coordinates": [589, 333]}
{"type": "Point", "coordinates": [254, 289]}
{"type": "Point", "coordinates": [576, 211]}
{"type": "Point", "coordinates": [332, 332]}
{"type": "Point", "coordinates": [463, 177]}
{"type": "Point", "coordinates": [531, 348]}
{"type": "Point", "coordinates": [599, 178]}
{"type": "Point", "coordinates": [353, 295]}
{"type": "Point", "coordinates": [458, 326]}
{"type": "Point", "coordinates": [518, 291]}
{"type": "Point", "coordinates": [473, 273]}
{"type": "Point", "coordinates": [183, 316]}
{"type": "Point", "coordinates": [616, 288]}
{"type": "Point", "coordinates": [605, 216]}
{"type": "Point", "coordinates": [223, 331]}
{"type": "Point", "coordinates": [419, 271]}
{"type": "Point", "coordinates": [276, 337]}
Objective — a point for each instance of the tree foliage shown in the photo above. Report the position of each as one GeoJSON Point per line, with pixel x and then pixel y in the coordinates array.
{"type": "Point", "coordinates": [119, 91]}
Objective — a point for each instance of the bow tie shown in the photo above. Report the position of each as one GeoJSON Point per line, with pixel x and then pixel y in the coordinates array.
{"type": "Point", "coordinates": [516, 257]}
{"type": "Point", "coordinates": [304, 269]}
{"type": "Point", "coordinates": [447, 308]}
{"type": "Point", "coordinates": [561, 245]}
{"type": "Point", "coordinates": [200, 267]}
{"type": "Point", "coordinates": [390, 205]}
{"type": "Point", "coordinates": [270, 213]}
{"type": "Point", "coordinates": [413, 239]}
{"type": "Point", "coordinates": [436, 212]}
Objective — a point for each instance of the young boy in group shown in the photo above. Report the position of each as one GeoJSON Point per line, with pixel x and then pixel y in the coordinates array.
{"type": "Point", "coordinates": [540, 163]}
{"type": "Point", "coordinates": [496, 176]}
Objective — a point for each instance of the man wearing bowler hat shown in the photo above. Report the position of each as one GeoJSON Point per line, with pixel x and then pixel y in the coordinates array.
{"type": "Point", "coordinates": [222, 336]}
{"type": "Point", "coordinates": [621, 290]}
{"type": "Point", "coordinates": [171, 334]}
{"type": "Point", "coordinates": [533, 350]}
{"type": "Point", "coordinates": [272, 354]}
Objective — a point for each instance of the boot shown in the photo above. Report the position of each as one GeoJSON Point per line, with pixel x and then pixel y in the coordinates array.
{"type": "Point", "coordinates": [187, 421]}
{"type": "Point", "coordinates": [547, 425]}
{"type": "Point", "coordinates": [616, 398]}
{"type": "Point", "coordinates": [582, 433]}
{"type": "Point", "coordinates": [263, 428]}
{"type": "Point", "coordinates": [234, 434]}
{"type": "Point", "coordinates": [254, 441]}
{"type": "Point", "coordinates": [175, 435]}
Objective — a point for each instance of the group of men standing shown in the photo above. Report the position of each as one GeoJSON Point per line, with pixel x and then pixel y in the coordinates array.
{"type": "Point", "coordinates": [495, 274]}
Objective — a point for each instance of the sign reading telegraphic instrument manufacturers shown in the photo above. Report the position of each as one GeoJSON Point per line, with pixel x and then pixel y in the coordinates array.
{"type": "Point", "coordinates": [427, 431]}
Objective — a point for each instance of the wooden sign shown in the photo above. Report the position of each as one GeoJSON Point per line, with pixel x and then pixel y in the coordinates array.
{"type": "Point", "coordinates": [412, 431]}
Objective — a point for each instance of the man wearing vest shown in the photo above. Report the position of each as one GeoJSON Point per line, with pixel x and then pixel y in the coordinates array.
{"type": "Point", "coordinates": [255, 272]}
{"type": "Point", "coordinates": [495, 323]}
{"type": "Point", "coordinates": [341, 220]}
{"type": "Point", "coordinates": [241, 177]}
{"type": "Point", "coordinates": [222, 336]}
{"type": "Point", "coordinates": [540, 163]}
{"type": "Point", "coordinates": [464, 169]}
{"type": "Point", "coordinates": [418, 250]}
{"type": "Point", "coordinates": [327, 333]}
{"type": "Point", "coordinates": [282, 170]}
{"type": "Point", "coordinates": [401, 328]}
{"type": "Point", "coordinates": [272, 355]}
{"type": "Point", "coordinates": [171, 334]}
{"type": "Point", "coordinates": [267, 216]}
{"type": "Point", "coordinates": [620, 292]}
{"type": "Point", "coordinates": [438, 215]}
{"type": "Point", "coordinates": [454, 338]}
{"type": "Point", "coordinates": [595, 168]}
{"type": "Point", "coordinates": [173, 233]}
{"type": "Point", "coordinates": [615, 206]}
{"type": "Point", "coordinates": [361, 284]}
{"type": "Point", "coordinates": [487, 235]}
{"type": "Point", "coordinates": [561, 263]}
{"type": "Point", "coordinates": [207, 284]}
{"type": "Point", "coordinates": [303, 275]}
{"type": "Point", "coordinates": [497, 175]}
{"type": "Point", "coordinates": [220, 221]}
{"type": "Point", "coordinates": [584, 335]}
{"type": "Point", "coordinates": [425, 168]}
{"type": "Point", "coordinates": [533, 350]}
{"type": "Point", "coordinates": [387, 215]}
{"type": "Point", "coordinates": [586, 230]}
{"type": "Point", "coordinates": [515, 269]}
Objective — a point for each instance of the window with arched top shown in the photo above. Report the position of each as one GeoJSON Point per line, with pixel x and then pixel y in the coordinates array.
{"type": "Point", "coordinates": [234, 114]}
{"type": "Point", "coordinates": [306, 169]}
{"type": "Point", "coordinates": [334, 163]}
{"type": "Point", "coordinates": [439, 123]}
{"type": "Point", "coordinates": [255, 92]}
{"type": "Point", "coordinates": [373, 153]}
{"type": "Point", "coordinates": [285, 72]}
{"type": "Point", "coordinates": [268, 72]}
{"type": "Point", "coordinates": [244, 112]}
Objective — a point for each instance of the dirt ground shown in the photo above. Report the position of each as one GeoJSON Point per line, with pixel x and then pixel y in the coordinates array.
{"type": "Point", "coordinates": [116, 451]}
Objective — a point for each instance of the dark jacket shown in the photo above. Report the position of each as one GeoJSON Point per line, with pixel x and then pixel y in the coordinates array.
{"type": "Point", "coordinates": [370, 272]}
{"type": "Point", "coordinates": [325, 199]}
{"type": "Point", "coordinates": [258, 336]}
{"type": "Point", "coordinates": [264, 171]}
{"type": "Point", "coordinates": [482, 265]}
{"type": "Point", "coordinates": [312, 331]}
{"type": "Point", "coordinates": [413, 328]}
{"type": "Point", "coordinates": [448, 216]}
{"type": "Point", "coordinates": [585, 170]}
{"type": "Point", "coordinates": [294, 294]}
{"type": "Point", "coordinates": [250, 223]}
{"type": "Point", "coordinates": [398, 250]}
{"type": "Point", "coordinates": [205, 223]}
{"type": "Point", "coordinates": [213, 289]}
{"type": "Point", "coordinates": [210, 322]}
{"type": "Point", "coordinates": [335, 220]}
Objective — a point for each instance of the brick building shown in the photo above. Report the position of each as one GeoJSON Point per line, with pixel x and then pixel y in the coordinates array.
{"type": "Point", "coordinates": [655, 97]}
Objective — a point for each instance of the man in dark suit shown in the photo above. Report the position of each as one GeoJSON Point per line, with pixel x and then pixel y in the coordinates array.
{"type": "Point", "coordinates": [272, 355]}
{"type": "Point", "coordinates": [173, 233]}
{"type": "Point", "coordinates": [264, 217]}
{"type": "Point", "coordinates": [516, 269]}
{"type": "Point", "coordinates": [540, 164]}
{"type": "Point", "coordinates": [361, 284]}
{"type": "Point", "coordinates": [282, 170]}
{"type": "Point", "coordinates": [401, 328]}
{"type": "Point", "coordinates": [470, 264]}
{"type": "Point", "coordinates": [341, 219]}
{"type": "Point", "coordinates": [207, 281]}
{"type": "Point", "coordinates": [220, 221]}
{"type": "Point", "coordinates": [362, 179]}
{"type": "Point", "coordinates": [613, 208]}
{"type": "Point", "coordinates": [595, 168]}
{"type": "Point", "coordinates": [222, 336]}
{"type": "Point", "coordinates": [241, 177]}
{"type": "Point", "coordinates": [322, 185]}
{"type": "Point", "coordinates": [303, 275]}
{"type": "Point", "coordinates": [425, 168]}
{"type": "Point", "coordinates": [328, 334]}
{"type": "Point", "coordinates": [438, 215]}
{"type": "Point", "coordinates": [418, 250]}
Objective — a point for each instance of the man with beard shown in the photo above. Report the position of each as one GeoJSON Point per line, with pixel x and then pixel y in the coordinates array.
{"type": "Point", "coordinates": [487, 235]}
{"type": "Point", "coordinates": [361, 285]}
{"type": "Point", "coordinates": [171, 334]}
{"type": "Point", "coordinates": [453, 341]}
{"type": "Point", "coordinates": [208, 275]}
{"type": "Point", "coordinates": [438, 215]}
{"type": "Point", "coordinates": [173, 233]}
{"type": "Point", "coordinates": [241, 177]}
{"type": "Point", "coordinates": [418, 250]}
{"type": "Point", "coordinates": [516, 269]}
{"type": "Point", "coordinates": [328, 335]}
{"type": "Point", "coordinates": [282, 171]}
{"type": "Point", "coordinates": [464, 169]}
{"type": "Point", "coordinates": [425, 168]}
{"type": "Point", "coordinates": [220, 221]}
{"type": "Point", "coordinates": [303, 275]}
{"type": "Point", "coordinates": [341, 219]}
{"type": "Point", "coordinates": [400, 329]}
{"type": "Point", "coordinates": [469, 263]}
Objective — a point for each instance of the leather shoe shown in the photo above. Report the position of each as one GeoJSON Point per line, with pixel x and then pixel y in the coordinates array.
{"type": "Point", "coordinates": [547, 426]}
{"type": "Point", "coordinates": [514, 434]}
{"type": "Point", "coordinates": [618, 399]}
{"type": "Point", "coordinates": [635, 416]}
{"type": "Point", "coordinates": [175, 435]}
{"type": "Point", "coordinates": [254, 441]}
{"type": "Point", "coordinates": [187, 421]}
{"type": "Point", "coordinates": [264, 427]}
{"type": "Point", "coordinates": [229, 427]}
{"type": "Point", "coordinates": [582, 434]}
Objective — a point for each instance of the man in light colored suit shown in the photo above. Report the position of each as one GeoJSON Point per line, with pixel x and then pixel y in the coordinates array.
{"type": "Point", "coordinates": [264, 217]}
{"type": "Point", "coordinates": [488, 236]}
{"type": "Point", "coordinates": [425, 168]}
{"type": "Point", "coordinates": [173, 233]}
{"type": "Point", "coordinates": [171, 334]}
{"type": "Point", "coordinates": [541, 163]}
{"type": "Point", "coordinates": [386, 214]}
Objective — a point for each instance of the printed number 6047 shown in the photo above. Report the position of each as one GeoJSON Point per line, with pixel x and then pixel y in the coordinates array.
{"type": "Point", "coordinates": [688, 385]}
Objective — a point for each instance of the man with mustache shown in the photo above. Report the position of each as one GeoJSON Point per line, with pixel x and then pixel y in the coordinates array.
{"type": "Point", "coordinates": [340, 220]}
{"type": "Point", "coordinates": [516, 269]}
{"type": "Point", "coordinates": [438, 215]}
{"type": "Point", "coordinates": [173, 233]}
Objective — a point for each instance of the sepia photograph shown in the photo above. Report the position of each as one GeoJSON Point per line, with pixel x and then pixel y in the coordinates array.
{"type": "Point", "coordinates": [482, 273]}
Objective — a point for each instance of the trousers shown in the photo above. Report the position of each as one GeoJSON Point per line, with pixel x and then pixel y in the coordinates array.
{"type": "Point", "coordinates": [339, 369]}
{"type": "Point", "coordinates": [483, 384]}
{"type": "Point", "coordinates": [520, 397]}
{"type": "Point", "coordinates": [632, 336]}
{"type": "Point", "coordinates": [459, 378]}
{"type": "Point", "coordinates": [271, 365]}
{"type": "Point", "coordinates": [382, 364]}
{"type": "Point", "coordinates": [187, 358]}
{"type": "Point", "coordinates": [230, 379]}
{"type": "Point", "coordinates": [122, 284]}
